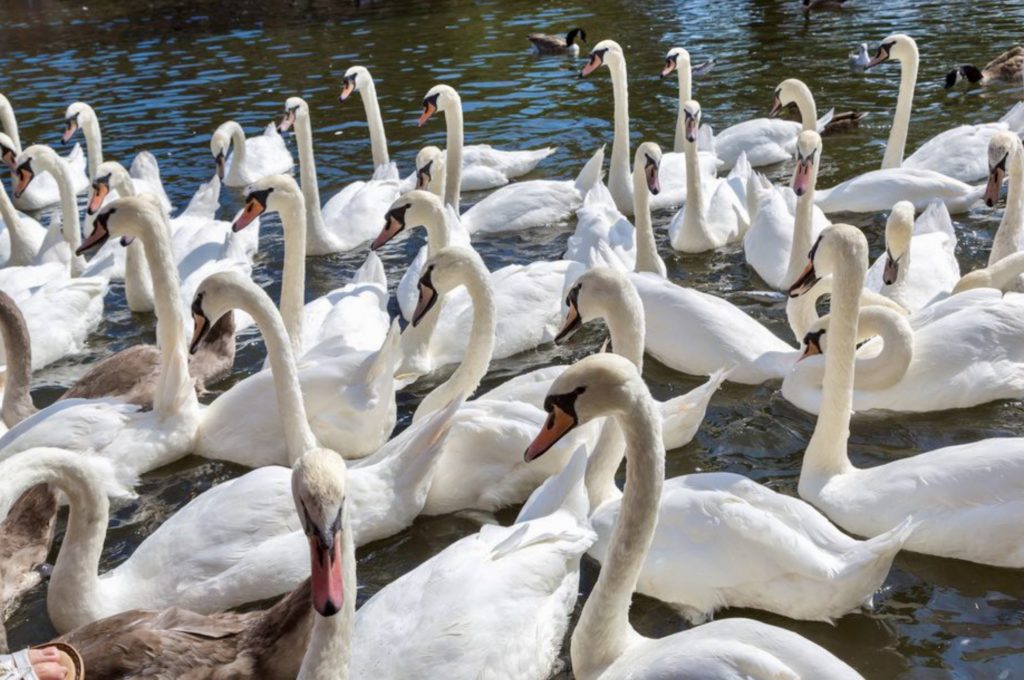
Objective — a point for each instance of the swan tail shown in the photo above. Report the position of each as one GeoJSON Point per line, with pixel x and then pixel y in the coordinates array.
{"type": "Point", "coordinates": [427, 439]}
{"type": "Point", "coordinates": [371, 271]}
{"type": "Point", "coordinates": [869, 562]}
{"type": "Point", "coordinates": [591, 172]}
{"type": "Point", "coordinates": [936, 219]}
{"type": "Point", "coordinates": [206, 200]}
{"type": "Point", "coordinates": [682, 416]}
{"type": "Point", "coordinates": [146, 167]}
{"type": "Point", "coordinates": [1014, 118]}
{"type": "Point", "coordinates": [564, 491]}
{"type": "Point", "coordinates": [825, 120]}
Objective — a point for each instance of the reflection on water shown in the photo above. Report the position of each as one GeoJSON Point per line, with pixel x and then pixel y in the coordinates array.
{"type": "Point", "coordinates": [163, 75]}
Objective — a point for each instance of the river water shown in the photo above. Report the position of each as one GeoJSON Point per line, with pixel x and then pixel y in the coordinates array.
{"type": "Point", "coordinates": [163, 75]}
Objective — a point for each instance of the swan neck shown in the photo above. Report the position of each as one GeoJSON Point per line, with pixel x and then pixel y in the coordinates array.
{"type": "Point", "coordinates": [647, 258]}
{"type": "Point", "coordinates": [238, 151]}
{"type": "Point", "coordinates": [802, 311]}
{"type": "Point", "coordinates": [603, 631]}
{"type": "Point", "coordinates": [803, 230]}
{"type": "Point", "coordinates": [1012, 224]}
{"type": "Point", "coordinates": [807, 107]}
{"type": "Point", "coordinates": [138, 285]}
{"type": "Point", "coordinates": [93, 143]}
{"type": "Point", "coordinates": [626, 324]}
{"type": "Point", "coordinates": [378, 140]}
{"type": "Point", "coordinates": [603, 464]}
{"type": "Point", "coordinates": [17, 379]}
{"type": "Point", "coordinates": [453, 158]}
{"type": "Point", "coordinates": [330, 642]}
{"type": "Point", "coordinates": [439, 233]}
{"type": "Point", "coordinates": [316, 229]}
{"type": "Point", "coordinates": [896, 146]}
{"type": "Point", "coordinates": [293, 276]}
{"type": "Point", "coordinates": [618, 171]}
{"type": "Point", "coordinates": [21, 250]}
{"type": "Point", "coordinates": [10, 125]}
{"type": "Point", "coordinates": [694, 222]}
{"type": "Point", "coordinates": [891, 364]}
{"type": "Point", "coordinates": [70, 226]}
{"type": "Point", "coordinates": [684, 96]}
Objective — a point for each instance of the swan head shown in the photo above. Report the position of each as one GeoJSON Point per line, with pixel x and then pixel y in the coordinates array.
{"type": "Point", "coordinates": [648, 158]}
{"type": "Point", "coordinates": [413, 208]}
{"type": "Point", "coordinates": [677, 58]}
{"type": "Point", "coordinates": [837, 244]}
{"type": "Point", "coordinates": [808, 155]}
{"type": "Point", "coordinates": [294, 108]}
{"type": "Point", "coordinates": [598, 385]}
{"type": "Point", "coordinates": [448, 269]}
{"type": "Point", "coordinates": [128, 217]}
{"type": "Point", "coordinates": [899, 229]}
{"type": "Point", "coordinates": [220, 144]}
{"type": "Point", "coordinates": [594, 295]}
{"type": "Point", "coordinates": [439, 98]}
{"type": "Point", "coordinates": [8, 151]}
{"type": "Point", "coordinates": [109, 175]}
{"type": "Point", "coordinates": [787, 93]}
{"type": "Point", "coordinates": [273, 193]}
{"type": "Point", "coordinates": [30, 162]}
{"type": "Point", "coordinates": [897, 46]}
{"type": "Point", "coordinates": [430, 170]}
{"type": "Point", "coordinates": [217, 295]}
{"type": "Point", "coordinates": [319, 490]}
{"type": "Point", "coordinates": [1002, 145]}
{"type": "Point", "coordinates": [75, 116]}
{"type": "Point", "coordinates": [814, 339]}
{"type": "Point", "coordinates": [602, 52]}
{"type": "Point", "coordinates": [691, 116]}
{"type": "Point", "coordinates": [354, 79]}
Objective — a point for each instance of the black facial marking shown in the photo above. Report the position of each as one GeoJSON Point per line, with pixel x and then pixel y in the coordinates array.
{"type": "Point", "coordinates": [398, 214]}
{"type": "Point", "coordinates": [813, 339]}
{"type": "Point", "coordinates": [260, 196]}
{"type": "Point", "coordinates": [566, 403]}
{"type": "Point", "coordinates": [431, 101]}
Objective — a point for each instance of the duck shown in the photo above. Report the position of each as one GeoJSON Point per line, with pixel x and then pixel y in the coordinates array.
{"type": "Point", "coordinates": [220, 567]}
{"type": "Point", "coordinates": [859, 58]}
{"type": "Point", "coordinates": [466, 611]}
{"type": "Point", "coordinates": [715, 213]}
{"type": "Point", "coordinates": [603, 644]}
{"type": "Point", "coordinates": [135, 440]}
{"type": "Point", "coordinates": [1006, 160]}
{"type": "Point", "coordinates": [291, 639]}
{"type": "Point", "coordinates": [794, 92]}
{"type": "Point", "coordinates": [529, 297]}
{"type": "Point", "coordinates": [968, 509]}
{"type": "Point", "coordinates": [1008, 67]}
{"type": "Point", "coordinates": [476, 167]}
{"type": "Point", "coordinates": [958, 152]}
{"type": "Point", "coordinates": [251, 158]}
{"type": "Point", "coordinates": [553, 44]}
{"type": "Point", "coordinates": [521, 205]}
{"type": "Point", "coordinates": [786, 222]}
{"type": "Point", "coordinates": [144, 169]}
{"type": "Point", "coordinates": [349, 218]}
{"type": "Point", "coordinates": [832, 573]}
{"type": "Point", "coordinates": [919, 265]}
{"type": "Point", "coordinates": [44, 193]}
{"type": "Point", "coordinates": [604, 235]}
{"type": "Point", "coordinates": [358, 79]}
{"type": "Point", "coordinates": [353, 317]}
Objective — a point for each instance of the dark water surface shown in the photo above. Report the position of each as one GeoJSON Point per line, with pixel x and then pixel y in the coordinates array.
{"type": "Point", "coordinates": [163, 75]}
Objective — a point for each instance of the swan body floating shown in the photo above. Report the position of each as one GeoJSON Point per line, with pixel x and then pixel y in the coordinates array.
{"type": "Point", "coordinates": [964, 500]}
{"type": "Point", "coordinates": [553, 44]}
{"type": "Point", "coordinates": [603, 644]}
{"type": "Point", "coordinates": [1008, 67]}
{"type": "Point", "coordinates": [43, 192]}
{"type": "Point", "coordinates": [919, 265]}
{"type": "Point", "coordinates": [879, 190]}
{"type": "Point", "coordinates": [959, 152]}
{"type": "Point", "coordinates": [242, 160]}
{"type": "Point", "coordinates": [22, 237]}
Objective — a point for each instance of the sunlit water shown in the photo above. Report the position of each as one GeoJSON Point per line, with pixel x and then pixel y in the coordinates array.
{"type": "Point", "coordinates": [163, 77]}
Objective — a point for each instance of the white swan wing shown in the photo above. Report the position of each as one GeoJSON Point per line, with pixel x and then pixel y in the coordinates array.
{"type": "Point", "coordinates": [354, 215]}
{"type": "Point", "coordinates": [764, 140]}
{"type": "Point", "coordinates": [600, 221]}
{"type": "Point", "coordinates": [523, 205]}
{"type": "Point", "coordinates": [60, 316]}
{"type": "Point", "coordinates": [879, 190]}
{"type": "Point", "coordinates": [960, 152]}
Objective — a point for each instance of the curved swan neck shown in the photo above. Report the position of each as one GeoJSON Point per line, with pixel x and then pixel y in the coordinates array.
{"type": "Point", "coordinates": [807, 107]}
{"type": "Point", "coordinates": [17, 380]}
{"type": "Point", "coordinates": [647, 258]}
{"type": "Point", "coordinates": [93, 142]}
{"type": "Point", "coordinates": [694, 221]}
{"type": "Point", "coordinates": [890, 365]}
{"type": "Point", "coordinates": [315, 227]}
{"type": "Point", "coordinates": [298, 435]}
{"type": "Point", "coordinates": [293, 276]}
{"type": "Point", "coordinates": [9, 123]}
{"type": "Point", "coordinates": [603, 464]}
{"type": "Point", "coordinates": [803, 229]}
{"type": "Point", "coordinates": [437, 228]}
{"type": "Point", "coordinates": [453, 152]}
{"type": "Point", "coordinates": [1010, 227]}
{"type": "Point", "coordinates": [603, 631]}
{"type": "Point", "coordinates": [138, 285]}
{"type": "Point", "coordinates": [618, 170]}
{"type": "Point", "coordinates": [378, 140]}
{"type": "Point", "coordinates": [22, 252]}
{"type": "Point", "coordinates": [685, 95]}
{"type": "Point", "coordinates": [70, 226]}
{"type": "Point", "coordinates": [626, 322]}
{"type": "Point", "coordinates": [479, 349]}
{"type": "Point", "coordinates": [238, 149]}
{"type": "Point", "coordinates": [330, 642]}
{"type": "Point", "coordinates": [826, 452]}
{"type": "Point", "coordinates": [896, 146]}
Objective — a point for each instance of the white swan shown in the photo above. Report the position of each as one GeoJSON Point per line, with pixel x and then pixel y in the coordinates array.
{"type": "Point", "coordinates": [962, 357]}
{"type": "Point", "coordinates": [477, 166]}
{"type": "Point", "coordinates": [799, 565]}
{"type": "Point", "coordinates": [603, 644]}
{"type": "Point", "coordinates": [44, 192]}
{"type": "Point", "coordinates": [353, 317]}
{"type": "Point", "coordinates": [966, 500]}
{"type": "Point", "coordinates": [879, 190]}
{"type": "Point", "coordinates": [251, 158]}
{"type": "Point", "coordinates": [715, 213]}
{"type": "Point", "coordinates": [22, 237]}
{"type": "Point", "coordinates": [1004, 275]}
{"type": "Point", "coordinates": [1006, 159]}
{"type": "Point", "coordinates": [802, 310]}
{"type": "Point", "coordinates": [145, 171]}
{"type": "Point", "coordinates": [135, 440]}
{"type": "Point", "coordinates": [492, 605]}
{"type": "Point", "coordinates": [673, 180]}
{"type": "Point", "coordinates": [605, 236]}
{"type": "Point", "coordinates": [958, 152]}
{"type": "Point", "coordinates": [350, 217]}
{"type": "Point", "coordinates": [919, 265]}
{"type": "Point", "coordinates": [786, 222]}
{"type": "Point", "coordinates": [528, 297]}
